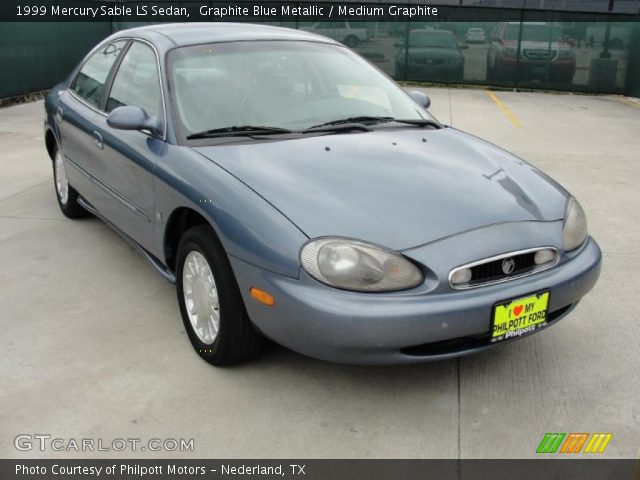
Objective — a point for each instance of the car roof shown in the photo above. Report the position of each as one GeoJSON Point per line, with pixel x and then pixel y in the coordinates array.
{"type": "Point", "coordinates": [182, 34]}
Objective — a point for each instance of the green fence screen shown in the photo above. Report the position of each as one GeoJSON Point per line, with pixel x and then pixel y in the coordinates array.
{"type": "Point", "coordinates": [36, 56]}
{"type": "Point", "coordinates": [592, 55]}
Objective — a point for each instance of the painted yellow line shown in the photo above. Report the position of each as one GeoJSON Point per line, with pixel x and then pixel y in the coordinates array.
{"type": "Point", "coordinates": [628, 102]}
{"type": "Point", "coordinates": [507, 113]}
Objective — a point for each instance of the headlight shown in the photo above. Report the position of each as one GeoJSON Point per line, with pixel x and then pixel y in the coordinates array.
{"type": "Point", "coordinates": [574, 231]}
{"type": "Point", "coordinates": [354, 265]}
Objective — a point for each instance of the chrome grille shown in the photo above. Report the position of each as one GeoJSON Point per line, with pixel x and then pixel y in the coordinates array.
{"type": "Point", "coordinates": [532, 54]}
{"type": "Point", "coordinates": [504, 267]}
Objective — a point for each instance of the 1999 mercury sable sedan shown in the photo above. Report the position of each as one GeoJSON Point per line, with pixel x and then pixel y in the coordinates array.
{"type": "Point", "coordinates": [293, 191]}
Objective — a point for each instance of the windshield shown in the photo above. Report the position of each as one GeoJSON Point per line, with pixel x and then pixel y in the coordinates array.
{"type": "Point", "coordinates": [284, 84]}
{"type": "Point", "coordinates": [426, 38]}
{"type": "Point", "coordinates": [534, 33]}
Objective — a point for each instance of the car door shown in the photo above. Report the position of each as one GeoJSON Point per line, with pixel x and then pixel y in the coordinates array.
{"type": "Point", "coordinates": [78, 114]}
{"type": "Point", "coordinates": [126, 165]}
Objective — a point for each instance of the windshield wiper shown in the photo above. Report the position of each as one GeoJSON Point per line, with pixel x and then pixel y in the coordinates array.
{"type": "Point", "coordinates": [359, 122]}
{"type": "Point", "coordinates": [419, 122]}
{"type": "Point", "coordinates": [351, 122]}
{"type": "Point", "coordinates": [238, 131]}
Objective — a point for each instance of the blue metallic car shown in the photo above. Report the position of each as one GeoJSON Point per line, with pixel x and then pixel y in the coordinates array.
{"type": "Point", "coordinates": [294, 192]}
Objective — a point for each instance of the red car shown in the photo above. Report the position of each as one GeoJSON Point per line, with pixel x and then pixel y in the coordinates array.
{"type": "Point", "coordinates": [537, 51]}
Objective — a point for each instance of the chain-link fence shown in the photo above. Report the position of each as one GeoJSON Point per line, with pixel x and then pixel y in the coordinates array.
{"type": "Point", "coordinates": [595, 55]}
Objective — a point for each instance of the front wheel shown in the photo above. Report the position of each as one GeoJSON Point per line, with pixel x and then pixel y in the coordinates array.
{"type": "Point", "coordinates": [67, 196]}
{"type": "Point", "coordinates": [212, 309]}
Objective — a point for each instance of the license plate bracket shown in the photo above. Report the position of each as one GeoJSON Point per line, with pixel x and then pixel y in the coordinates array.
{"type": "Point", "coordinates": [520, 316]}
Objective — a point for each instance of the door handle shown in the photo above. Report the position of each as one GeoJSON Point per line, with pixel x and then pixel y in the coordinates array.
{"type": "Point", "coordinates": [59, 113]}
{"type": "Point", "coordinates": [97, 139]}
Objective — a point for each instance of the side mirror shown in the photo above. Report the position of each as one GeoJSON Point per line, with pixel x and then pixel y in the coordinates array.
{"type": "Point", "coordinates": [132, 118]}
{"type": "Point", "coordinates": [421, 98]}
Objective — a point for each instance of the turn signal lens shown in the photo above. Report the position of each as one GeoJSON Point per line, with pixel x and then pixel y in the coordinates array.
{"type": "Point", "coordinates": [263, 297]}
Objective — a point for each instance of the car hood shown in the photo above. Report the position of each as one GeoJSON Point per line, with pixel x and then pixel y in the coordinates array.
{"type": "Point", "coordinates": [395, 187]}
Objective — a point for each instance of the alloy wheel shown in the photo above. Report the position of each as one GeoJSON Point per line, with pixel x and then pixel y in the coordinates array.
{"type": "Point", "coordinates": [201, 297]}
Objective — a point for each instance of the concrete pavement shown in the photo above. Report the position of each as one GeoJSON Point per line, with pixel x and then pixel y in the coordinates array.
{"type": "Point", "coordinates": [93, 345]}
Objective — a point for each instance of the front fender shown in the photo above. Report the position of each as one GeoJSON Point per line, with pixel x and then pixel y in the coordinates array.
{"type": "Point", "coordinates": [248, 226]}
{"type": "Point", "coordinates": [50, 106]}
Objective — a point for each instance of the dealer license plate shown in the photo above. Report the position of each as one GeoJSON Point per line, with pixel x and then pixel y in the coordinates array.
{"type": "Point", "coordinates": [518, 317]}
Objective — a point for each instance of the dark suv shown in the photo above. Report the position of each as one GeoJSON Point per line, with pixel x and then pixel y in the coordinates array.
{"type": "Point", "coordinates": [538, 52]}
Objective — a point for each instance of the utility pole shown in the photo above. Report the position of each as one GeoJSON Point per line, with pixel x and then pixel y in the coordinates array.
{"type": "Point", "coordinates": [607, 35]}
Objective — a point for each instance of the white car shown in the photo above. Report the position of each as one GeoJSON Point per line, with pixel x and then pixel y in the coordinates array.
{"type": "Point", "coordinates": [475, 35]}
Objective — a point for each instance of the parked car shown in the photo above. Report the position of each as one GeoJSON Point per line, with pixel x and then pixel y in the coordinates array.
{"type": "Point", "coordinates": [475, 35]}
{"type": "Point", "coordinates": [432, 56]}
{"type": "Point", "coordinates": [538, 52]}
{"type": "Point", "coordinates": [350, 34]}
{"type": "Point", "coordinates": [292, 191]}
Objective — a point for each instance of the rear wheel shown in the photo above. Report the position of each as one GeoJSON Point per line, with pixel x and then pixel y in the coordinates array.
{"type": "Point", "coordinates": [67, 196]}
{"type": "Point", "coordinates": [212, 308]}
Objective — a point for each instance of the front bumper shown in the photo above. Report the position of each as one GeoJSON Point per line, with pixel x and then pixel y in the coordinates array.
{"type": "Point", "coordinates": [402, 327]}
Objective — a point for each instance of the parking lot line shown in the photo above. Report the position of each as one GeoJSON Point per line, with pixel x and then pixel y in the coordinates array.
{"type": "Point", "coordinates": [507, 113]}
{"type": "Point", "coordinates": [628, 102]}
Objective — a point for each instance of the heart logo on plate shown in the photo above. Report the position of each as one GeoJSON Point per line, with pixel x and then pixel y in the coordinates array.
{"type": "Point", "coordinates": [517, 310]}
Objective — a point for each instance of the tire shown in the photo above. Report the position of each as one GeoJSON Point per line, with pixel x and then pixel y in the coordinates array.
{"type": "Point", "coordinates": [351, 41]}
{"type": "Point", "coordinates": [66, 195]}
{"type": "Point", "coordinates": [203, 275]}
